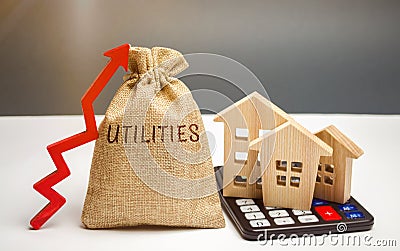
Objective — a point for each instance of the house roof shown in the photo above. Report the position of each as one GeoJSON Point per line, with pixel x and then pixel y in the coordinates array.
{"type": "Point", "coordinates": [327, 150]}
{"type": "Point", "coordinates": [355, 151]}
{"type": "Point", "coordinates": [253, 97]}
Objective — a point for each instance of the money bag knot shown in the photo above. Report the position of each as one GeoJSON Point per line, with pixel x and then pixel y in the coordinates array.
{"type": "Point", "coordinates": [155, 66]}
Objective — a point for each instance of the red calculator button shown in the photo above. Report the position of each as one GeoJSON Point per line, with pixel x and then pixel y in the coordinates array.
{"type": "Point", "coordinates": [327, 213]}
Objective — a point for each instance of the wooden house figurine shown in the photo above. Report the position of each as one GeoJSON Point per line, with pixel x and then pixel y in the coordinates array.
{"type": "Point", "coordinates": [333, 182]}
{"type": "Point", "coordinates": [245, 121]}
{"type": "Point", "coordinates": [290, 154]}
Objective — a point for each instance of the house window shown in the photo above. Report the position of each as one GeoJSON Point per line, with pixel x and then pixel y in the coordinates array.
{"type": "Point", "coordinates": [281, 165]}
{"type": "Point", "coordinates": [240, 180]}
{"type": "Point", "coordinates": [259, 183]}
{"type": "Point", "coordinates": [324, 174]}
{"type": "Point", "coordinates": [242, 133]}
{"type": "Point", "coordinates": [297, 167]}
{"type": "Point", "coordinates": [281, 180]}
{"type": "Point", "coordinates": [258, 159]}
{"type": "Point", "coordinates": [294, 181]}
{"type": "Point", "coordinates": [328, 180]}
{"type": "Point", "coordinates": [329, 168]}
{"type": "Point", "coordinates": [240, 156]}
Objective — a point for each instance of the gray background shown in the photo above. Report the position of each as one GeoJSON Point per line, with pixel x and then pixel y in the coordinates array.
{"type": "Point", "coordinates": [311, 56]}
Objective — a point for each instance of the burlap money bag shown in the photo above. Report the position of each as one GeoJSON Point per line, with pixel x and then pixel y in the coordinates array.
{"type": "Point", "coordinates": [151, 163]}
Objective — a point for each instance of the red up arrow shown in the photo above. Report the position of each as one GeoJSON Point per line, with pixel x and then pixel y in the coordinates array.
{"type": "Point", "coordinates": [119, 57]}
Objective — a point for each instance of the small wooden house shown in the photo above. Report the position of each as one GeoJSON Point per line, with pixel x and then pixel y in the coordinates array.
{"type": "Point", "coordinates": [290, 155]}
{"type": "Point", "coordinates": [333, 182]}
{"type": "Point", "coordinates": [245, 121]}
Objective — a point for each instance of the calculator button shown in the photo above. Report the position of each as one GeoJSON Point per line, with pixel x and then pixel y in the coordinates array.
{"type": "Point", "coordinates": [270, 208]}
{"type": "Point", "coordinates": [347, 207]}
{"type": "Point", "coordinates": [308, 218]}
{"type": "Point", "coordinates": [249, 209]}
{"type": "Point", "coordinates": [259, 223]}
{"type": "Point", "coordinates": [354, 215]}
{"type": "Point", "coordinates": [254, 216]}
{"type": "Point", "coordinates": [300, 212]}
{"type": "Point", "coordinates": [242, 202]}
{"type": "Point", "coordinates": [328, 213]}
{"type": "Point", "coordinates": [318, 202]}
{"type": "Point", "coordinates": [278, 213]}
{"type": "Point", "coordinates": [284, 221]}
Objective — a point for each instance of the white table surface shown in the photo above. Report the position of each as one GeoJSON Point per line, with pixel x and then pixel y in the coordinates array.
{"type": "Point", "coordinates": [24, 160]}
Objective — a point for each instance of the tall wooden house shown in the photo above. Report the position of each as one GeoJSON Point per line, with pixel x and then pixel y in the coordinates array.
{"type": "Point", "coordinates": [245, 121]}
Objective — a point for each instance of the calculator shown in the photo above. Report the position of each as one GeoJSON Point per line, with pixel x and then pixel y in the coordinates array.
{"type": "Point", "coordinates": [254, 221]}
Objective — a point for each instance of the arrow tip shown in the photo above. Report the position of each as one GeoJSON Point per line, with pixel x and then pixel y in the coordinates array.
{"type": "Point", "coordinates": [119, 55]}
